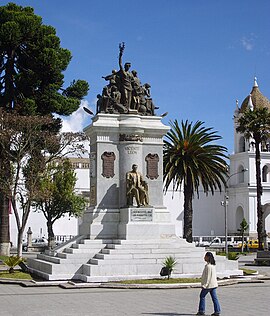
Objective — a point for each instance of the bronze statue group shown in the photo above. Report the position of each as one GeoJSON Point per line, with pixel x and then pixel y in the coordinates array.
{"type": "Point", "coordinates": [124, 93]}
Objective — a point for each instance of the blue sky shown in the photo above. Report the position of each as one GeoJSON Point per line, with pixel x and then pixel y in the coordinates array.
{"type": "Point", "coordinates": [199, 56]}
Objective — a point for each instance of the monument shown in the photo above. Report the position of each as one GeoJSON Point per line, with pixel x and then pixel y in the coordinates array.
{"type": "Point", "coordinates": [126, 232]}
{"type": "Point", "coordinates": [126, 171]}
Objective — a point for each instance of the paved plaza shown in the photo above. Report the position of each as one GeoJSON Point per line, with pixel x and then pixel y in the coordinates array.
{"type": "Point", "coordinates": [236, 300]}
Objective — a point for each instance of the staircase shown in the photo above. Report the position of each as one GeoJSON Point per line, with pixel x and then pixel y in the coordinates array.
{"type": "Point", "coordinates": [110, 260]}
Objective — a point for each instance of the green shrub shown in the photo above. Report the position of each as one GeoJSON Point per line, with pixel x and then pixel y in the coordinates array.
{"type": "Point", "coordinates": [231, 255]}
{"type": "Point", "coordinates": [12, 262]}
{"type": "Point", "coordinates": [168, 266]}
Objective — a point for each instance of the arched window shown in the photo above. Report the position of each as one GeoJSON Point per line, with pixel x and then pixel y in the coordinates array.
{"type": "Point", "coordinates": [267, 218]}
{"type": "Point", "coordinates": [242, 146]}
{"type": "Point", "coordinates": [239, 215]}
{"type": "Point", "coordinates": [265, 173]}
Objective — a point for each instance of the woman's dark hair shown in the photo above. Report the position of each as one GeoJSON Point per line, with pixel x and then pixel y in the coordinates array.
{"type": "Point", "coordinates": [210, 258]}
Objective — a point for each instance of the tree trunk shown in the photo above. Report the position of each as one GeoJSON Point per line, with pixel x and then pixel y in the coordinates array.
{"type": "Point", "coordinates": [20, 241]}
{"type": "Point", "coordinates": [188, 211]}
{"type": "Point", "coordinates": [51, 240]}
{"type": "Point", "coordinates": [242, 247]}
{"type": "Point", "coordinates": [4, 225]}
{"type": "Point", "coordinates": [4, 203]}
{"type": "Point", "coordinates": [260, 225]}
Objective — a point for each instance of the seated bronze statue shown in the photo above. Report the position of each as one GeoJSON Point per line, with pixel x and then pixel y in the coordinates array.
{"type": "Point", "coordinates": [136, 188]}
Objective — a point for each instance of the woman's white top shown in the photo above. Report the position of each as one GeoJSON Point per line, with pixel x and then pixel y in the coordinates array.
{"type": "Point", "coordinates": [209, 277]}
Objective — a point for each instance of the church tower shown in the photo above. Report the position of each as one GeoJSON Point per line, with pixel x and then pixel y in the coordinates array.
{"type": "Point", "coordinates": [242, 193]}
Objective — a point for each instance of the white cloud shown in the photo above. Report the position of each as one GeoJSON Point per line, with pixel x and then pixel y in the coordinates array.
{"type": "Point", "coordinates": [78, 120]}
{"type": "Point", "coordinates": [247, 43]}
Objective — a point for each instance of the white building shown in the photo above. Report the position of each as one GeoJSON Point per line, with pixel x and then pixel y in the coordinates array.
{"type": "Point", "coordinates": [242, 191]}
{"type": "Point", "coordinates": [208, 211]}
{"type": "Point", "coordinates": [66, 226]}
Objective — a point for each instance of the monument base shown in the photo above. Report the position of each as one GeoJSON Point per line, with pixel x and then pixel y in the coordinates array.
{"type": "Point", "coordinates": [98, 223]}
{"type": "Point", "coordinates": [127, 223]}
{"type": "Point", "coordinates": [144, 223]}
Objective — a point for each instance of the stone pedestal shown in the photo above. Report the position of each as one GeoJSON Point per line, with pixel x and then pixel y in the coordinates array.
{"type": "Point", "coordinates": [144, 223]}
{"type": "Point", "coordinates": [117, 141]}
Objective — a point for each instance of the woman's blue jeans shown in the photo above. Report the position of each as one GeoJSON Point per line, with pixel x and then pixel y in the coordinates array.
{"type": "Point", "coordinates": [213, 293]}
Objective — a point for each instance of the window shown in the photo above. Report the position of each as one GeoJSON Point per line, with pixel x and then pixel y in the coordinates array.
{"type": "Point", "coordinates": [242, 147]}
{"type": "Point", "coordinates": [265, 173]}
{"type": "Point", "coordinates": [241, 175]}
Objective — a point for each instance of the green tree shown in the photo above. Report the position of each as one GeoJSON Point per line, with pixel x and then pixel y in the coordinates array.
{"type": "Point", "coordinates": [243, 228]}
{"type": "Point", "coordinates": [32, 63]}
{"type": "Point", "coordinates": [55, 195]}
{"type": "Point", "coordinates": [255, 124]}
{"type": "Point", "coordinates": [32, 148]}
{"type": "Point", "coordinates": [189, 158]}
{"type": "Point", "coordinates": [31, 66]}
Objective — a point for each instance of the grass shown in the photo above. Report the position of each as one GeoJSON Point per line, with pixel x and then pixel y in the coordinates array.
{"type": "Point", "coordinates": [248, 271]}
{"type": "Point", "coordinates": [3, 258]}
{"type": "Point", "coordinates": [231, 255]}
{"type": "Point", "coordinates": [16, 275]}
{"type": "Point", "coordinates": [162, 281]}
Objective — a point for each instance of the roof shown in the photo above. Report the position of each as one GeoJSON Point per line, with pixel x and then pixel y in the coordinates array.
{"type": "Point", "coordinates": [257, 99]}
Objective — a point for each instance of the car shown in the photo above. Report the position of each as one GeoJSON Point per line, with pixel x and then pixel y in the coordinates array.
{"type": "Point", "coordinates": [36, 242]}
{"type": "Point", "coordinates": [252, 244]}
{"type": "Point", "coordinates": [217, 243]}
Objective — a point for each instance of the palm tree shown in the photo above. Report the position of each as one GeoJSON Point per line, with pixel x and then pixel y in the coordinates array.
{"type": "Point", "coordinates": [189, 158]}
{"type": "Point", "coordinates": [255, 124]}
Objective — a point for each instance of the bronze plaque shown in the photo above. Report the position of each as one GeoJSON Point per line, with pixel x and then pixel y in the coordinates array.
{"type": "Point", "coordinates": [132, 137]}
{"type": "Point", "coordinates": [108, 164]}
{"type": "Point", "coordinates": [152, 166]}
{"type": "Point", "coordinates": [141, 214]}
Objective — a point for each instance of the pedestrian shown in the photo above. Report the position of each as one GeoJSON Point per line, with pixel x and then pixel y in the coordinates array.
{"type": "Point", "coordinates": [209, 285]}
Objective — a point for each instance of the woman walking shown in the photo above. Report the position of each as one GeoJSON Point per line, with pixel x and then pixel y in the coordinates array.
{"type": "Point", "coordinates": [209, 285]}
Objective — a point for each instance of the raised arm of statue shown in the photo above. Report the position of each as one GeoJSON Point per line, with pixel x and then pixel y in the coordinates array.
{"type": "Point", "coordinates": [121, 50]}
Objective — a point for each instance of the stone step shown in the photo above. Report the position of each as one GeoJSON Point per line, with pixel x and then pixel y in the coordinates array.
{"type": "Point", "coordinates": [97, 241]}
{"type": "Point", "coordinates": [48, 258]}
{"type": "Point", "coordinates": [120, 270]}
{"type": "Point", "coordinates": [94, 260]}
{"type": "Point", "coordinates": [139, 268]}
{"type": "Point", "coordinates": [150, 241]}
{"type": "Point", "coordinates": [81, 250]}
{"type": "Point", "coordinates": [162, 255]}
{"type": "Point", "coordinates": [54, 268]}
{"type": "Point", "coordinates": [150, 245]}
{"type": "Point", "coordinates": [82, 255]}
{"type": "Point", "coordinates": [116, 261]}
{"type": "Point", "coordinates": [87, 246]}
{"type": "Point", "coordinates": [119, 250]}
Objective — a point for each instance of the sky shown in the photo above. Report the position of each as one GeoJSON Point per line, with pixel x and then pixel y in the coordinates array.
{"type": "Point", "coordinates": [198, 55]}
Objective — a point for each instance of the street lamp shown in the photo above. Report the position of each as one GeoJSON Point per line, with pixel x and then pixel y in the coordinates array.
{"type": "Point", "coordinates": [225, 203]}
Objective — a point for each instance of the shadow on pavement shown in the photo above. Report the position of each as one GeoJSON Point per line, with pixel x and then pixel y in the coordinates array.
{"type": "Point", "coordinates": [169, 314]}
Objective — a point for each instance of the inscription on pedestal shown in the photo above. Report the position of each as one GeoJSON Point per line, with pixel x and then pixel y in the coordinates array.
{"type": "Point", "coordinates": [132, 149]}
{"type": "Point", "coordinates": [141, 214]}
